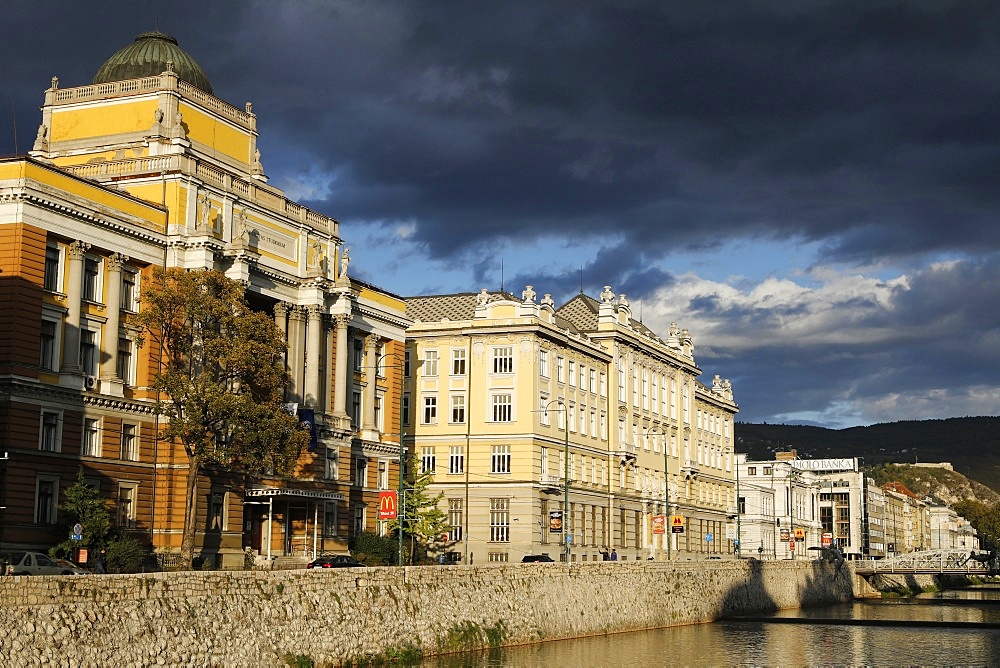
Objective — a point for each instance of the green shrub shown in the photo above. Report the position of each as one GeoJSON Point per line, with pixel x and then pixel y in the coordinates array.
{"type": "Point", "coordinates": [376, 550]}
{"type": "Point", "coordinates": [125, 555]}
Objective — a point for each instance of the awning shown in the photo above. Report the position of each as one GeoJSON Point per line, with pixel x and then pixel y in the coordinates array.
{"type": "Point", "coordinates": [273, 492]}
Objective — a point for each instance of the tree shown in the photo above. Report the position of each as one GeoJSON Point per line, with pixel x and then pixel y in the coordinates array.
{"type": "Point", "coordinates": [985, 520]}
{"type": "Point", "coordinates": [422, 517]}
{"type": "Point", "coordinates": [84, 506]}
{"type": "Point", "coordinates": [221, 379]}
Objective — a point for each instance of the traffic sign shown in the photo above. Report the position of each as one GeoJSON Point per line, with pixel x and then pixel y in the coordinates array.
{"type": "Point", "coordinates": [800, 533]}
{"type": "Point", "coordinates": [676, 524]}
{"type": "Point", "coordinates": [709, 537]}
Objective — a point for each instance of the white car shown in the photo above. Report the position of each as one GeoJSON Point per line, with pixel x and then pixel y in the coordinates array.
{"type": "Point", "coordinates": [37, 563]}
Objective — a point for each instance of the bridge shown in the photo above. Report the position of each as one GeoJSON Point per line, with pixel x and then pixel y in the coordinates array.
{"type": "Point", "coordinates": [958, 562]}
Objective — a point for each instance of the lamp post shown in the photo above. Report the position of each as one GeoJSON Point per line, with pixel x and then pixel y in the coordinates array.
{"type": "Point", "coordinates": [668, 533]}
{"type": "Point", "coordinates": [401, 365]}
{"type": "Point", "coordinates": [565, 523]}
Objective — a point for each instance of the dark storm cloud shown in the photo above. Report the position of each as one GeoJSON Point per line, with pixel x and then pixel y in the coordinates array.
{"type": "Point", "coordinates": [629, 131]}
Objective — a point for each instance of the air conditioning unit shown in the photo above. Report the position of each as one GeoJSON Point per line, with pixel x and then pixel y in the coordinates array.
{"type": "Point", "coordinates": [90, 382]}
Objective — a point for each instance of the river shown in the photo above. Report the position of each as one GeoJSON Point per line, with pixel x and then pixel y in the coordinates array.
{"type": "Point", "coordinates": [867, 636]}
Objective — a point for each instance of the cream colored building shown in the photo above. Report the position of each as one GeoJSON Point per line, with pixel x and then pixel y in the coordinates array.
{"type": "Point", "coordinates": [517, 407]}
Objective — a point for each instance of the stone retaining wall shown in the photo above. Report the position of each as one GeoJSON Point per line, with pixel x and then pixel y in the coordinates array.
{"type": "Point", "coordinates": [260, 618]}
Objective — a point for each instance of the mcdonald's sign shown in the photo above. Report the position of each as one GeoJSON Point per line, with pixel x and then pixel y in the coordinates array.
{"type": "Point", "coordinates": [387, 505]}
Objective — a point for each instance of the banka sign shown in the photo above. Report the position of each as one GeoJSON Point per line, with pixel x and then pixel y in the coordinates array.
{"type": "Point", "coordinates": [842, 464]}
{"type": "Point", "coordinates": [387, 505]}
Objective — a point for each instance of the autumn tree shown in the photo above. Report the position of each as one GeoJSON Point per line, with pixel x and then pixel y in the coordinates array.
{"type": "Point", "coordinates": [221, 380]}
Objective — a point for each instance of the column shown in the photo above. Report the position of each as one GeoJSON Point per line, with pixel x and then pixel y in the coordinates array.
{"type": "Point", "coordinates": [313, 349]}
{"type": "Point", "coordinates": [109, 342]}
{"type": "Point", "coordinates": [74, 292]}
{"type": "Point", "coordinates": [340, 366]}
{"type": "Point", "coordinates": [296, 352]}
{"type": "Point", "coordinates": [326, 381]}
{"type": "Point", "coordinates": [281, 321]}
{"type": "Point", "coordinates": [370, 427]}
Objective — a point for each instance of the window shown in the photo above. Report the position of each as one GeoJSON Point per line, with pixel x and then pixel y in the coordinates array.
{"type": "Point", "coordinates": [360, 518]}
{"type": "Point", "coordinates": [593, 422]}
{"type": "Point", "coordinates": [458, 361]}
{"type": "Point", "coordinates": [583, 421]}
{"type": "Point", "coordinates": [560, 370]}
{"type": "Point", "coordinates": [593, 380]}
{"type": "Point", "coordinates": [330, 519]}
{"type": "Point", "coordinates": [88, 352]}
{"type": "Point", "coordinates": [545, 463]}
{"type": "Point", "coordinates": [430, 410]}
{"type": "Point", "coordinates": [572, 418]}
{"type": "Point", "coordinates": [543, 413]}
{"type": "Point", "coordinates": [456, 459]}
{"type": "Point", "coordinates": [405, 409]}
{"type": "Point", "coordinates": [332, 463]}
{"type": "Point", "coordinates": [361, 472]}
{"type": "Point", "coordinates": [53, 263]}
{"type": "Point", "coordinates": [604, 384]}
{"type": "Point", "coordinates": [406, 363]}
{"type": "Point", "coordinates": [124, 363]}
{"type": "Point", "coordinates": [458, 408]}
{"type": "Point", "coordinates": [621, 380]}
{"type": "Point", "coordinates": [500, 459]}
{"type": "Point", "coordinates": [130, 442]}
{"type": "Point", "coordinates": [217, 512]}
{"type": "Point", "coordinates": [498, 557]}
{"type": "Point", "coordinates": [359, 354]}
{"type": "Point", "coordinates": [428, 460]}
{"type": "Point", "coordinates": [91, 279]}
{"type": "Point", "coordinates": [751, 470]}
{"type": "Point", "coordinates": [383, 474]}
{"type": "Point", "coordinates": [50, 437]}
{"type": "Point", "coordinates": [543, 363]}
{"type": "Point", "coordinates": [46, 495]}
{"type": "Point", "coordinates": [455, 520]}
{"type": "Point", "coordinates": [125, 509]}
{"type": "Point", "coordinates": [503, 359]}
{"type": "Point", "coordinates": [499, 521]}
{"type": "Point", "coordinates": [767, 470]}
{"type": "Point", "coordinates": [91, 438]}
{"type": "Point", "coordinates": [430, 362]}
{"type": "Point", "coordinates": [583, 377]}
{"type": "Point", "coordinates": [503, 408]}
{"type": "Point", "coordinates": [129, 295]}
{"type": "Point", "coordinates": [47, 346]}
{"type": "Point", "coordinates": [572, 373]}
{"type": "Point", "coordinates": [356, 408]}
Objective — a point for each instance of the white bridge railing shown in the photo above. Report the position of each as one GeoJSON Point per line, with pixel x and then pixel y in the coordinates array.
{"type": "Point", "coordinates": [937, 561]}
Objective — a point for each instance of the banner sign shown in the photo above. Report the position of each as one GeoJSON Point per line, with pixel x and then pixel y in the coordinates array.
{"type": "Point", "coordinates": [842, 464]}
{"type": "Point", "coordinates": [659, 524]}
{"type": "Point", "coordinates": [307, 421]}
{"type": "Point", "coordinates": [387, 505]}
{"type": "Point", "coordinates": [555, 521]}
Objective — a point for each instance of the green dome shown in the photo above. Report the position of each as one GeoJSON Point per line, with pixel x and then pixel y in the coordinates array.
{"type": "Point", "coordinates": [147, 56]}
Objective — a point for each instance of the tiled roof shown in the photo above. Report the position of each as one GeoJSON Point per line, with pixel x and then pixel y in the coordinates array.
{"type": "Point", "coordinates": [459, 306]}
{"type": "Point", "coordinates": [582, 312]}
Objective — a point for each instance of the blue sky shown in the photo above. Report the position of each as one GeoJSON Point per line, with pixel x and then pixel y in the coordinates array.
{"type": "Point", "coordinates": [811, 188]}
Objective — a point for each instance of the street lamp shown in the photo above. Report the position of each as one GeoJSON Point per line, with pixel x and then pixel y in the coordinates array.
{"type": "Point", "coordinates": [401, 365]}
{"type": "Point", "coordinates": [668, 534]}
{"type": "Point", "coordinates": [565, 523]}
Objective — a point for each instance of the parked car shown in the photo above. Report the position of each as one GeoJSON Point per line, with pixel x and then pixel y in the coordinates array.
{"type": "Point", "coordinates": [334, 561]}
{"type": "Point", "coordinates": [37, 563]}
{"type": "Point", "coordinates": [536, 558]}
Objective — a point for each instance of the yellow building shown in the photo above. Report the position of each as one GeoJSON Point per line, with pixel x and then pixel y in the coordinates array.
{"type": "Point", "coordinates": [144, 167]}
{"type": "Point", "coordinates": [549, 430]}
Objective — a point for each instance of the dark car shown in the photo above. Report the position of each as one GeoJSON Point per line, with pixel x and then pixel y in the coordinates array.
{"type": "Point", "coordinates": [334, 561]}
{"type": "Point", "coordinates": [536, 558]}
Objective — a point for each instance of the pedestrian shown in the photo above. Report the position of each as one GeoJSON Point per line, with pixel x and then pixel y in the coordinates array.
{"type": "Point", "coordinates": [614, 555]}
{"type": "Point", "coordinates": [604, 555]}
{"type": "Point", "coordinates": [102, 562]}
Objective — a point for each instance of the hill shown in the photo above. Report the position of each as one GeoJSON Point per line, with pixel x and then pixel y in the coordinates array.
{"type": "Point", "coordinates": [971, 444]}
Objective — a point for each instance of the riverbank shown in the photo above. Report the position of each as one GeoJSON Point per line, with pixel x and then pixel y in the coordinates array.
{"type": "Point", "coordinates": [333, 617]}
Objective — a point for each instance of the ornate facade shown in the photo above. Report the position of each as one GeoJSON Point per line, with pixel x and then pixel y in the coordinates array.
{"type": "Point", "coordinates": [153, 170]}
{"type": "Point", "coordinates": [568, 431]}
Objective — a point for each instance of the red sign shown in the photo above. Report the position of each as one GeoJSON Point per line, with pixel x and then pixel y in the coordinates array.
{"type": "Point", "coordinates": [827, 539]}
{"type": "Point", "coordinates": [791, 544]}
{"type": "Point", "coordinates": [387, 505]}
{"type": "Point", "coordinates": [659, 524]}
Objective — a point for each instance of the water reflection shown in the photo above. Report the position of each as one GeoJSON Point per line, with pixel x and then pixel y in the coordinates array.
{"type": "Point", "coordinates": [757, 643]}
